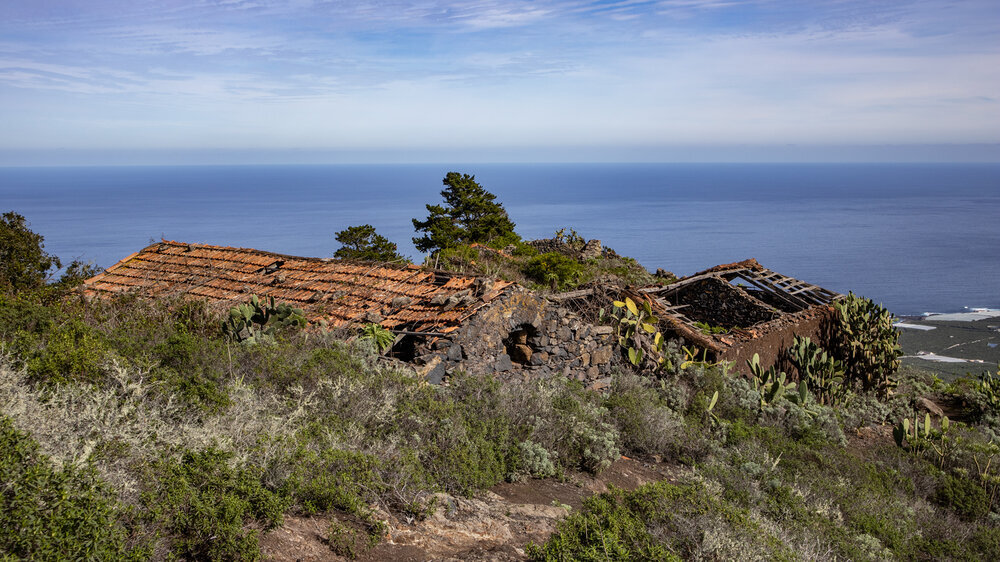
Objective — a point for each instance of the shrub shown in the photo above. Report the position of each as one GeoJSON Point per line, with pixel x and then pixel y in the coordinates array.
{"type": "Point", "coordinates": [583, 437]}
{"type": "Point", "coordinates": [48, 513]}
{"type": "Point", "coordinates": [208, 509]}
{"type": "Point", "coordinates": [195, 368]}
{"type": "Point", "coordinates": [860, 410]}
{"type": "Point", "coordinates": [642, 418]}
{"type": "Point", "coordinates": [613, 526]}
{"type": "Point", "coordinates": [659, 521]}
{"type": "Point", "coordinates": [963, 495]}
{"type": "Point", "coordinates": [553, 269]}
{"type": "Point", "coordinates": [466, 441]}
{"type": "Point", "coordinates": [22, 313]}
{"type": "Point", "coordinates": [70, 351]}
{"type": "Point", "coordinates": [334, 479]}
{"type": "Point", "coordinates": [536, 460]}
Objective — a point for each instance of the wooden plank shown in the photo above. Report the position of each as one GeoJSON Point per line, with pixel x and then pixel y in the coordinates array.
{"type": "Point", "coordinates": [571, 295]}
{"type": "Point", "coordinates": [778, 292]}
{"type": "Point", "coordinates": [673, 287]}
{"type": "Point", "coordinates": [802, 289]}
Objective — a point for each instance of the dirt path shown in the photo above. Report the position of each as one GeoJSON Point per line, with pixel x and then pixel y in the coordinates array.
{"type": "Point", "coordinates": [496, 525]}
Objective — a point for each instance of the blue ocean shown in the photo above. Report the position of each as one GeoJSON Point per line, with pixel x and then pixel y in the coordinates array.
{"type": "Point", "coordinates": [916, 237]}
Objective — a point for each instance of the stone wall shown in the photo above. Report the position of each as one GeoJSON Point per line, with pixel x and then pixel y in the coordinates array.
{"type": "Point", "coordinates": [770, 341]}
{"type": "Point", "coordinates": [522, 335]}
{"type": "Point", "coordinates": [546, 245]}
{"type": "Point", "coordinates": [592, 249]}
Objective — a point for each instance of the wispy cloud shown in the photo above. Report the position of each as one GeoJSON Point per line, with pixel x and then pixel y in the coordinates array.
{"type": "Point", "coordinates": [323, 72]}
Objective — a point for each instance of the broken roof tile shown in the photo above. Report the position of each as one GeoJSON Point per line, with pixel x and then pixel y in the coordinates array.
{"type": "Point", "coordinates": [336, 291]}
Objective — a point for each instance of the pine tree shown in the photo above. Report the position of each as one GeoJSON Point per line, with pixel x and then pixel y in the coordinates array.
{"type": "Point", "coordinates": [24, 264]}
{"type": "Point", "coordinates": [470, 215]}
{"type": "Point", "coordinates": [363, 243]}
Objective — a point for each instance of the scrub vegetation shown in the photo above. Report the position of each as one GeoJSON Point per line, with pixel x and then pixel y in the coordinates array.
{"type": "Point", "coordinates": [134, 429]}
{"type": "Point", "coordinates": [140, 415]}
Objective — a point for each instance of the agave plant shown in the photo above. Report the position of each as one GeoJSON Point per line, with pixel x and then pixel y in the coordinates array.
{"type": "Point", "coordinates": [380, 337]}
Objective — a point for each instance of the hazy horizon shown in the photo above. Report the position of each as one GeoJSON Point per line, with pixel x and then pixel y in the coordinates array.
{"type": "Point", "coordinates": [928, 154]}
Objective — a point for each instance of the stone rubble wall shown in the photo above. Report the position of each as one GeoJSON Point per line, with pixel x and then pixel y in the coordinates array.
{"type": "Point", "coordinates": [771, 340]}
{"type": "Point", "coordinates": [592, 249]}
{"type": "Point", "coordinates": [717, 303]}
{"type": "Point", "coordinates": [522, 335]}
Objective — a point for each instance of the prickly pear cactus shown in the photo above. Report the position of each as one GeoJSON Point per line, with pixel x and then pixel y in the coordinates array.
{"type": "Point", "coordinates": [256, 322]}
{"type": "Point", "coordinates": [823, 374]}
{"type": "Point", "coordinates": [867, 343]}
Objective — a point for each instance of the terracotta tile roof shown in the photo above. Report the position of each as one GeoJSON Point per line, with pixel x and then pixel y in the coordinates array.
{"type": "Point", "coordinates": [750, 264]}
{"type": "Point", "coordinates": [339, 292]}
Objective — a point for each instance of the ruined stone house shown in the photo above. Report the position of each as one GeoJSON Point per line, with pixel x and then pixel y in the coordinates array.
{"type": "Point", "coordinates": [730, 311]}
{"type": "Point", "coordinates": [754, 309]}
{"type": "Point", "coordinates": [444, 322]}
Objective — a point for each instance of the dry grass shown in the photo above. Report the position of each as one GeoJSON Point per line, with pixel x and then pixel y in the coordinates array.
{"type": "Point", "coordinates": [119, 425]}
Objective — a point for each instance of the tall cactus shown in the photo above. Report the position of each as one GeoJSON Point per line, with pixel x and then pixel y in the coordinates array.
{"type": "Point", "coordinates": [821, 372]}
{"type": "Point", "coordinates": [868, 344]}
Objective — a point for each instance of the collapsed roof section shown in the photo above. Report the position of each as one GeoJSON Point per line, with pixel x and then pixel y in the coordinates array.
{"type": "Point", "coordinates": [729, 308]}
{"type": "Point", "coordinates": [732, 311]}
{"type": "Point", "coordinates": [337, 292]}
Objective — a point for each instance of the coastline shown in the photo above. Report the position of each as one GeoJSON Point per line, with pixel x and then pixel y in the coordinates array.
{"type": "Point", "coordinates": [953, 344]}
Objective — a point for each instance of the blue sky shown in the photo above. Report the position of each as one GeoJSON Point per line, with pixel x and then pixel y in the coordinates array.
{"type": "Point", "coordinates": [191, 81]}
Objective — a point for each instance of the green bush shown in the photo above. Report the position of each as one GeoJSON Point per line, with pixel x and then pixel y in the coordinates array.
{"type": "Point", "coordinates": [554, 270]}
{"type": "Point", "coordinates": [209, 510]}
{"type": "Point", "coordinates": [615, 525]}
{"type": "Point", "coordinates": [523, 250]}
{"type": "Point", "coordinates": [23, 313]}
{"type": "Point", "coordinates": [646, 424]}
{"type": "Point", "coordinates": [70, 351]}
{"type": "Point", "coordinates": [963, 495]}
{"type": "Point", "coordinates": [659, 521]}
{"type": "Point", "coordinates": [48, 513]}
{"type": "Point", "coordinates": [195, 368]}
{"type": "Point", "coordinates": [466, 440]}
{"type": "Point", "coordinates": [334, 479]}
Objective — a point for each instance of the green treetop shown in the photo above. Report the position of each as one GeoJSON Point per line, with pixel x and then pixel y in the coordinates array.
{"type": "Point", "coordinates": [470, 215]}
{"type": "Point", "coordinates": [24, 263]}
{"type": "Point", "coordinates": [363, 243]}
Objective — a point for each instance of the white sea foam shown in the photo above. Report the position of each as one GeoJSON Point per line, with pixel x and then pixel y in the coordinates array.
{"type": "Point", "coordinates": [942, 358]}
{"type": "Point", "coordinates": [972, 315]}
{"type": "Point", "coordinates": [914, 326]}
